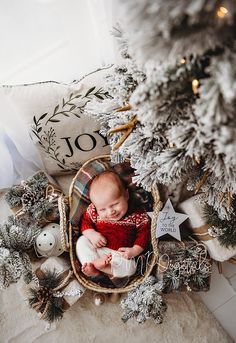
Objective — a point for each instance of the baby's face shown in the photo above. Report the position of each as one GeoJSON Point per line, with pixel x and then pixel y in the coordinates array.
{"type": "Point", "coordinates": [111, 205]}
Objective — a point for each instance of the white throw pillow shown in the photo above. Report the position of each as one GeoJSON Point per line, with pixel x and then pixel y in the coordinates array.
{"type": "Point", "coordinates": [54, 114]}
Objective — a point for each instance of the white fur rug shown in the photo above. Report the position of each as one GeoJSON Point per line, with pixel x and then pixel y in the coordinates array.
{"type": "Point", "coordinates": [187, 320]}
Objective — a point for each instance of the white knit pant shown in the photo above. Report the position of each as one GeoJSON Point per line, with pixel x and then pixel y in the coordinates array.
{"type": "Point", "coordinates": [120, 266]}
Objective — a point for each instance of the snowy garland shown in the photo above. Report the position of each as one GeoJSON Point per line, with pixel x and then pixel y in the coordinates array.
{"type": "Point", "coordinates": [17, 236]}
{"type": "Point", "coordinates": [144, 302]}
{"type": "Point", "coordinates": [35, 197]}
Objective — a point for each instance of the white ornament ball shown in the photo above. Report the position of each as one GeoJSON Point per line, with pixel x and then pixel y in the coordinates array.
{"type": "Point", "coordinates": [99, 299]}
{"type": "Point", "coordinates": [48, 242]}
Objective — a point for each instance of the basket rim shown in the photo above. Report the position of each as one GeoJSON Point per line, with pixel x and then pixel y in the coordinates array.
{"type": "Point", "coordinates": [88, 284]}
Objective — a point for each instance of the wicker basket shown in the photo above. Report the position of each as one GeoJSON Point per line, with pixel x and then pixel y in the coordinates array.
{"type": "Point", "coordinates": [87, 283]}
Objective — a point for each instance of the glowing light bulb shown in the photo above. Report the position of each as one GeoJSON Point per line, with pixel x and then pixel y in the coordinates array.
{"type": "Point", "coordinates": [183, 61]}
{"type": "Point", "coordinates": [195, 85]}
{"type": "Point", "coordinates": [171, 145]}
{"type": "Point", "coordinates": [222, 12]}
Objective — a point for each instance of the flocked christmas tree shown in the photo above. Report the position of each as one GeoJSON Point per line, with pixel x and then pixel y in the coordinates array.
{"type": "Point", "coordinates": [175, 95]}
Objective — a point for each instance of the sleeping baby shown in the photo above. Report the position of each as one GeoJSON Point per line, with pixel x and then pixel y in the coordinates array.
{"type": "Point", "coordinates": [112, 234]}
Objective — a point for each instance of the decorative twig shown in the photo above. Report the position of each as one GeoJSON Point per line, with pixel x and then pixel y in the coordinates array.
{"type": "Point", "coordinates": [202, 181]}
{"type": "Point", "coordinates": [222, 195]}
{"type": "Point", "coordinates": [124, 108]}
{"type": "Point", "coordinates": [128, 128]}
{"type": "Point", "coordinates": [197, 159]}
{"type": "Point", "coordinates": [229, 200]}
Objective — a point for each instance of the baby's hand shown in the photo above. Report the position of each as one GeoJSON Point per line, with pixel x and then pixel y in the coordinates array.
{"type": "Point", "coordinates": [97, 240]}
{"type": "Point", "coordinates": [127, 252]}
{"type": "Point", "coordinates": [130, 252]}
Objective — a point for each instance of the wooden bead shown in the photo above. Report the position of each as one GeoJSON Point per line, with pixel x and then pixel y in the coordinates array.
{"type": "Point", "coordinates": [114, 297]}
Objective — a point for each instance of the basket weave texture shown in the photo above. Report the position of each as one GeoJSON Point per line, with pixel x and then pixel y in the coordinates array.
{"type": "Point", "coordinates": [79, 200]}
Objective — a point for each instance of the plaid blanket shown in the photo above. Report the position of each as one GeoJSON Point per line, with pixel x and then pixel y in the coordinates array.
{"type": "Point", "coordinates": [79, 193]}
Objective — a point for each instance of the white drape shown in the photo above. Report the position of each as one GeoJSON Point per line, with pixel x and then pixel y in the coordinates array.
{"type": "Point", "coordinates": [19, 157]}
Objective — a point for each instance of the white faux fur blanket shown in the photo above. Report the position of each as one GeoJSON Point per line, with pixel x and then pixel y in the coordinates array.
{"type": "Point", "coordinates": [187, 320]}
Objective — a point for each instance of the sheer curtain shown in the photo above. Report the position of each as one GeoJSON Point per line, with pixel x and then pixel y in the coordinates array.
{"type": "Point", "coordinates": [19, 158]}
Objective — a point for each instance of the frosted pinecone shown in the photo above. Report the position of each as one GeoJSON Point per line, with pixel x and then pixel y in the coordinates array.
{"type": "Point", "coordinates": [28, 199]}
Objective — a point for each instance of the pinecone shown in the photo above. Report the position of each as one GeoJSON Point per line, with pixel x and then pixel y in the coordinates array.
{"type": "Point", "coordinates": [44, 294]}
{"type": "Point", "coordinates": [28, 199]}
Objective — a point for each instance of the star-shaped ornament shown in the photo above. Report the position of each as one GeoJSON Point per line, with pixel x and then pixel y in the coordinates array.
{"type": "Point", "coordinates": [168, 221]}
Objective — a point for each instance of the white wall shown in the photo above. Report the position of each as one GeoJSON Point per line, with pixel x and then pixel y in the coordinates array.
{"type": "Point", "coordinates": [53, 39]}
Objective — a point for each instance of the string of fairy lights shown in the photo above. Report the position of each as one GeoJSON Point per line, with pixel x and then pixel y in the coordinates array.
{"type": "Point", "coordinates": [222, 12]}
